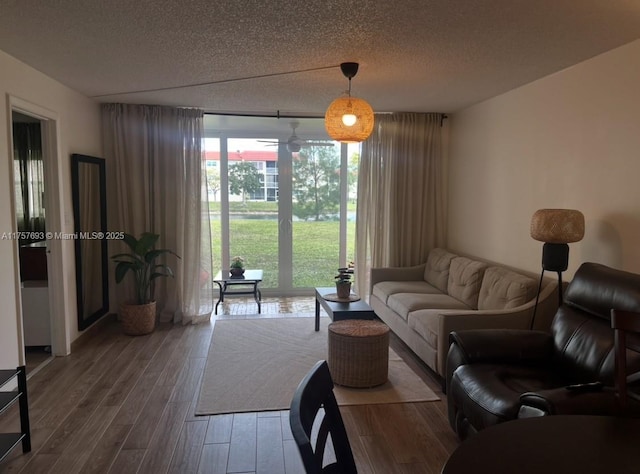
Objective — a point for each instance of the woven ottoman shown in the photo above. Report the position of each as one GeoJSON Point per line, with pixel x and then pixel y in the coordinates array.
{"type": "Point", "coordinates": [358, 352]}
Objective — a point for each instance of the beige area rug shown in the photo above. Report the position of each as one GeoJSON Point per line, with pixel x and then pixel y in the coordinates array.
{"type": "Point", "coordinates": [256, 365]}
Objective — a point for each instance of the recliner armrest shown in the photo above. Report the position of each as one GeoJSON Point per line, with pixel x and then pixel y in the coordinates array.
{"type": "Point", "coordinates": [502, 345]}
{"type": "Point", "coordinates": [561, 401]}
{"type": "Point", "coordinates": [496, 346]}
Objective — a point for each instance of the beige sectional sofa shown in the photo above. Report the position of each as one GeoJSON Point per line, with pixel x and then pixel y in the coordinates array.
{"type": "Point", "coordinates": [424, 303]}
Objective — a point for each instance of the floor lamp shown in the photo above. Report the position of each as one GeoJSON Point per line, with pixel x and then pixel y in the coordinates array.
{"type": "Point", "coordinates": [556, 228]}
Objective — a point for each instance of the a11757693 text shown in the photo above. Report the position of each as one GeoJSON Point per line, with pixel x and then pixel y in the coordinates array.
{"type": "Point", "coordinates": [37, 236]}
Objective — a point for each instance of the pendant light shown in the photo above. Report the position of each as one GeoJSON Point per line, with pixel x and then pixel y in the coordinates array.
{"type": "Point", "coordinates": [349, 119]}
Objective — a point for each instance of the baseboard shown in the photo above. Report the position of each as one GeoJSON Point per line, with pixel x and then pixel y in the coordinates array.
{"type": "Point", "coordinates": [88, 333]}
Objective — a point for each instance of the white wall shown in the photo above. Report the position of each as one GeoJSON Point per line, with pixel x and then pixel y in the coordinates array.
{"type": "Point", "coordinates": [569, 140]}
{"type": "Point", "coordinates": [78, 132]}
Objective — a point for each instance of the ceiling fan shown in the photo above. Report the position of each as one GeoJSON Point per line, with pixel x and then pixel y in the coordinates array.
{"type": "Point", "coordinates": [295, 143]}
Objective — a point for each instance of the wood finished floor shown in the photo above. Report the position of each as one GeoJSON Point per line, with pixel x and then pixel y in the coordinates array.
{"type": "Point", "coordinates": [125, 405]}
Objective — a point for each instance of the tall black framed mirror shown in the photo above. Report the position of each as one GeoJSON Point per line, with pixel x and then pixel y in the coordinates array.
{"type": "Point", "coordinates": [89, 188]}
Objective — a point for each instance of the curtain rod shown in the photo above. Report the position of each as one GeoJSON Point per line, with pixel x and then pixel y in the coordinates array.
{"type": "Point", "coordinates": [278, 115]}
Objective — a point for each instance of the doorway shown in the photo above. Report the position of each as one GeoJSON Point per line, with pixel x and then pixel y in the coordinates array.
{"type": "Point", "coordinates": [56, 267]}
{"type": "Point", "coordinates": [29, 209]}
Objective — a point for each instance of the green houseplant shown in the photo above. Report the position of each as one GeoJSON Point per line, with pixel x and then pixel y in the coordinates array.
{"type": "Point", "coordinates": [236, 267]}
{"type": "Point", "coordinates": [139, 317]}
{"type": "Point", "coordinates": [343, 282]}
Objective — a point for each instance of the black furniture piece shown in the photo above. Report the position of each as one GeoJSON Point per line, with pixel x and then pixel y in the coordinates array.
{"type": "Point", "coordinates": [314, 392]}
{"type": "Point", "coordinates": [495, 376]}
{"type": "Point", "coordinates": [248, 282]}
{"type": "Point", "coordinates": [339, 311]}
{"type": "Point", "coordinates": [8, 441]}
{"type": "Point", "coordinates": [551, 444]}
{"type": "Point", "coordinates": [625, 325]}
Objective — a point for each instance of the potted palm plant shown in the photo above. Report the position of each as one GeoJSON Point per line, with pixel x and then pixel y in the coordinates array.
{"type": "Point", "coordinates": [139, 317]}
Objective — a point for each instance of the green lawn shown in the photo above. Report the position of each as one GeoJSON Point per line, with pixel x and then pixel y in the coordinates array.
{"type": "Point", "coordinates": [259, 206]}
{"type": "Point", "coordinates": [315, 249]}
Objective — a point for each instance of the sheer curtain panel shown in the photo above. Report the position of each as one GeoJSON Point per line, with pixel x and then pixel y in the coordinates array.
{"type": "Point", "coordinates": [401, 193]}
{"type": "Point", "coordinates": [158, 155]}
{"type": "Point", "coordinates": [29, 172]}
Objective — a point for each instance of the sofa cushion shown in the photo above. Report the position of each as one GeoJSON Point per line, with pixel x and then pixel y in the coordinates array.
{"type": "Point", "coordinates": [384, 289]}
{"type": "Point", "coordinates": [404, 303]}
{"type": "Point", "coordinates": [425, 323]}
{"type": "Point", "coordinates": [503, 289]}
{"type": "Point", "coordinates": [436, 271]}
{"type": "Point", "coordinates": [465, 279]}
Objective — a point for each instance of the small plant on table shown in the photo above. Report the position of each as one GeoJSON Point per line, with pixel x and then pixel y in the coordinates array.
{"type": "Point", "coordinates": [237, 266]}
{"type": "Point", "coordinates": [343, 281]}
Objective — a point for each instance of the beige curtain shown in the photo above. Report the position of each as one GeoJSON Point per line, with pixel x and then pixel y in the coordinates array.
{"type": "Point", "coordinates": [157, 152]}
{"type": "Point", "coordinates": [401, 193]}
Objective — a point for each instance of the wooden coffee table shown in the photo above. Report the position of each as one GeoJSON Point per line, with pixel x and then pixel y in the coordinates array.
{"type": "Point", "coordinates": [339, 311]}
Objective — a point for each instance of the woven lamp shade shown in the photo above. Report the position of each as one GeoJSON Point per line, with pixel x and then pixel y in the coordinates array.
{"type": "Point", "coordinates": [557, 226]}
{"type": "Point", "coordinates": [356, 133]}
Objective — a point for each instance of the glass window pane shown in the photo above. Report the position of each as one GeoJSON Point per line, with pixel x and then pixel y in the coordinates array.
{"type": "Point", "coordinates": [353, 157]}
{"type": "Point", "coordinates": [212, 175]}
{"type": "Point", "coordinates": [316, 207]}
{"type": "Point", "coordinates": [253, 218]}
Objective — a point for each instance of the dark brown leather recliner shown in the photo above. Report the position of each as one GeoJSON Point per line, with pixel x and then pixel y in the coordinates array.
{"type": "Point", "coordinates": [498, 375]}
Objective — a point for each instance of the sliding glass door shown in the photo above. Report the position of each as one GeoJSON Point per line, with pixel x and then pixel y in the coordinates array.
{"type": "Point", "coordinates": [291, 214]}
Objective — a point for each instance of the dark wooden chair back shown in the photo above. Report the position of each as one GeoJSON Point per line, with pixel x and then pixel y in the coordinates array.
{"type": "Point", "coordinates": [314, 405]}
{"type": "Point", "coordinates": [625, 324]}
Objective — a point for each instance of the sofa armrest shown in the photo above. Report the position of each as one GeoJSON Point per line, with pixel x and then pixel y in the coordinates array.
{"type": "Point", "coordinates": [561, 401]}
{"type": "Point", "coordinates": [414, 273]}
{"type": "Point", "coordinates": [502, 345]}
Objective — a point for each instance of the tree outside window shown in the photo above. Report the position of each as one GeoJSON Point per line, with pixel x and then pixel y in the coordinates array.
{"type": "Point", "coordinates": [316, 183]}
{"type": "Point", "coordinates": [244, 179]}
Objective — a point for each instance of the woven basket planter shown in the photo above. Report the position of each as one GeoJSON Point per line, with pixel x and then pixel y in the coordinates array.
{"type": "Point", "coordinates": [138, 319]}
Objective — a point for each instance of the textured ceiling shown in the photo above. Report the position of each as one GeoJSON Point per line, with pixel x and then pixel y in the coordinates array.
{"type": "Point", "coordinates": [240, 56]}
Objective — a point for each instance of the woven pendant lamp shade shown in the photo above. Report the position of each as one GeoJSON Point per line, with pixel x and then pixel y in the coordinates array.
{"type": "Point", "coordinates": [355, 133]}
{"type": "Point", "coordinates": [557, 226]}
